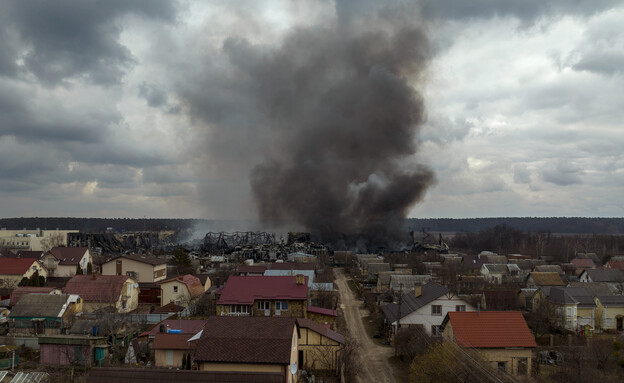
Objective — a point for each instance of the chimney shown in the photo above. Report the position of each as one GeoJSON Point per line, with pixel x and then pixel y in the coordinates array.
{"type": "Point", "coordinates": [94, 274]}
{"type": "Point", "coordinates": [417, 290]}
{"type": "Point", "coordinates": [300, 279]}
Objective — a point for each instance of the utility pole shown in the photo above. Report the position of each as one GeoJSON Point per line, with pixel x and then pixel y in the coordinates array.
{"type": "Point", "coordinates": [396, 332]}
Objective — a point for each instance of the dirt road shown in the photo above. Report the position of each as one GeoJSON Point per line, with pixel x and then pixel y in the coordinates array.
{"type": "Point", "coordinates": [374, 358]}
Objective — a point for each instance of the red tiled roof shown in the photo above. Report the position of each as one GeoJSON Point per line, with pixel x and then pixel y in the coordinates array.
{"type": "Point", "coordinates": [23, 290]}
{"type": "Point", "coordinates": [320, 310]}
{"type": "Point", "coordinates": [15, 266]}
{"type": "Point", "coordinates": [151, 375]}
{"type": "Point", "coordinates": [104, 288]}
{"type": "Point", "coordinates": [68, 255]}
{"type": "Point", "coordinates": [193, 284]}
{"type": "Point", "coordinates": [186, 326]}
{"type": "Point", "coordinates": [164, 341]}
{"type": "Point", "coordinates": [246, 289]}
{"type": "Point", "coordinates": [491, 329]}
{"type": "Point", "coordinates": [266, 340]}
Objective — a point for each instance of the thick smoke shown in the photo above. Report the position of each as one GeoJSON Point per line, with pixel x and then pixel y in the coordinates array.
{"type": "Point", "coordinates": [344, 120]}
{"type": "Point", "coordinates": [335, 115]}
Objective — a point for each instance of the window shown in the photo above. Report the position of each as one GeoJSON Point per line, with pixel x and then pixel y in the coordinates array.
{"type": "Point", "coordinates": [281, 305]}
{"type": "Point", "coordinates": [155, 275]}
{"type": "Point", "coordinates": [123, 305]}
{"type": "Point", "coordinates": [435, 331]}
{"type": "Point", "coordinates": [436, 310]}
{"type": "Point", "coordinates": [460, 308]}
{"type": "Point", "coordinates": [522, 366]}
{"type": "Point", "coordinates": [238, 310]}
{"type": "Point", "coordinates": [264, 305]}
{"type": "Point", "coordinates": [569, 311]}
{"type": "Point", "coordinates": [502, 366]}
{"type": "Point", "coordinates": [175, 289]}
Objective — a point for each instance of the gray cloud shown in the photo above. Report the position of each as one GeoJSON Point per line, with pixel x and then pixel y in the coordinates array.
{"type": "Point", "coordinates": [154, 95]}
{"type": "Point", "coordinates": [527, 10]}
{"type": "Point", "coordinates": [75, 38]}
{"type": "Point", "coordinates": [522, 175]}
{"type": "Point", "coordinates": [562, 174]}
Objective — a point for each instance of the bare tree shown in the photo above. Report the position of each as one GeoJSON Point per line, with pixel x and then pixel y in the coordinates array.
{"type": "Point", "coordinates": [51, 241]}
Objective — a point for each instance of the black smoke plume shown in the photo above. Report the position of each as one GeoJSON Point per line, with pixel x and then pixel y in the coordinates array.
{"type": "Point", "coordinates": [335, 118]}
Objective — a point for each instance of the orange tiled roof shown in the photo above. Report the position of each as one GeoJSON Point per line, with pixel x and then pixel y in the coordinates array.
{"type": "Point", "coordinates": [491, 329]}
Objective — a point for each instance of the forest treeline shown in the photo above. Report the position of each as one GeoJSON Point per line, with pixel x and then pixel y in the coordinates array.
{"type": "Point", "coordinates": [565, 225]}
{"type": "Point", "coordinates": [503, 239]}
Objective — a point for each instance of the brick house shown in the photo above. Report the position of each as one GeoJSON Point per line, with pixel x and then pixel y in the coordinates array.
{"type": "Point", "coordinates": [264, 296]}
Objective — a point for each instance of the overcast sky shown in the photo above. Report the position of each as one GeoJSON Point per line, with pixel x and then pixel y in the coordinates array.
{"type": "Point", "coordinates": [110, 108]}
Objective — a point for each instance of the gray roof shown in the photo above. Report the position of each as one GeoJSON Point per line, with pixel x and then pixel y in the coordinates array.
{"type": "Point", "coordinates": [605, 275]}
{"type": "Point", "coordinates": [597, 288]}
{"type": "Point", "coordinates": [410, 303]}
{"type": "Point", "coordinates": [523, 264]}
{"type": "Point", "coordinates": [39, 305]}
{"type": "Point", "coordinates": [500, 259]}
{"type": "Point", "coordinates": [384, 276]}
{"type": "Point", "coordinates": [528, 292]}
{"type": "Point", "coordinates": [612, 300]}
{"type": "Point", "coordinates": [496, 268]}
{"type": "Point", "coordinates": [550, 268]}
{"type": "Point", "coordinates": [407, 282]}
{"type": "Point", "coordinates": [572, 295]}
{"type": "Point", "coordinates": [375, 268]}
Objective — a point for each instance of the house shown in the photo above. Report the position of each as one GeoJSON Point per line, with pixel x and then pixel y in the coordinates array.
{"type": "Point", "coordinates": [405, 283]}
{"type": "Point", "coordinates": [181, 290]}
{"type": "Point", "coordinates": [150, 375]}
{"type": "Point", "coordinates": [170, 349]}
{"type": "Point", "coordinates": [499, 300]}
{"type": "Point", "coordinates": [383, 279]}
{"type": "Point", "coordinates": [426, 306]}
{"type": "Point", "coordinates": [117, 292]}
{"type": "Point", "coordinates": [544, 278]}
{"type": "Point", "coordinates": [610, 312]}
{"type": "Point", "coordinates": [142, 268]}
{"type": "Point", "coordinates": [471, 264]}
{"type": "Point", "coordinates": [65, 261]}
{"type": "Point", "coordinates": [264, 296]}
{"type": "Point", "coordinates": [501, 337]}
{"type": "Point", "coordinates": [13, 270]}
{"type": "Point", "coordinates": [323, 316]}
{"type": "Point", "coordinates": [181, 326]}
{"type": "Point", "coordinates": [574, 307]}
{"type": "Point", "coordinates": [526, 298]}
{"type": "Point", "coordinates": [613, 264]}
{"type": "Point", "coordinates": [23, 290]}
{"type": "Point", "coordinates": [44, 314]}
{"type": "Point", "coordinates": [602, 275]}
{"type": "Point", "coordinates": [582, 264]}
{"type": "Point", "coordinates": [72, 349]}
{"type": "Point", "coordinates": [319, 347]}
{"type": "Point", "coordinates": [496, 273]}
{"type": "Point", "coordinates": [246, 270]}
{"type": "Point", "coordinates": [550, 269]}
{"type": "Point", "coordinates": [374, 269]}
{"type": "Point", "coordinates": [525, 266]}
{"type": "Point", "coordinates": [251, 344]}
{"type": "Point", "coordinates": [291, 266]}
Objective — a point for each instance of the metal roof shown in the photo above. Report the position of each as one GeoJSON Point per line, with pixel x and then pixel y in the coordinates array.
{"type": "Point", "coordinates": [31, 377]}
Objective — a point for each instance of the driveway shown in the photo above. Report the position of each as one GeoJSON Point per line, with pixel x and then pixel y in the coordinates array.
{"type": "Point", "coordinates": [375, 367]}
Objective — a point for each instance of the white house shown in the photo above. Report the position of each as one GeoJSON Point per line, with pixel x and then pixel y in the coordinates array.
{"type": "Point", "coordinates": [499, 273]}
{"type": "Point", "coordinates": [426, 306]}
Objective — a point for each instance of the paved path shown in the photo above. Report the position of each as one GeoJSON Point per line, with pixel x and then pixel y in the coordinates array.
{"type": "Point", "coordinates": [375, 367]}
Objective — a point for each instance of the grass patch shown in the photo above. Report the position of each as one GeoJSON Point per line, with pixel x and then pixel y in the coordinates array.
{"type": "Point", "coordinates": [371, 330]}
